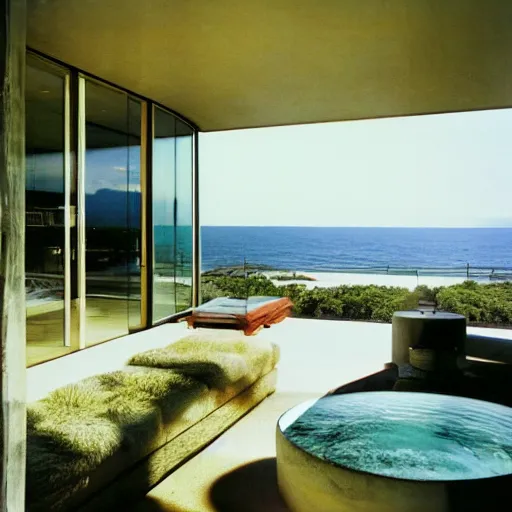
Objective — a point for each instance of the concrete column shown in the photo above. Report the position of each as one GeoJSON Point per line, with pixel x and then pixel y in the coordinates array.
{"type": "Point", "coordinates": [12, 255]}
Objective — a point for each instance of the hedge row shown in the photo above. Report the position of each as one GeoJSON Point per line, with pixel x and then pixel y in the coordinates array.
{"type": "Point", "coordinates": [489, 304]}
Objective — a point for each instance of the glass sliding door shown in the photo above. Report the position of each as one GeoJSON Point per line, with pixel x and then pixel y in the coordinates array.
{"type": "Point", "coordinates": [164, 214]}
{"type": "Point", "coordinates": [112, 212]}
{"type": "Point", "coordinates": [184, 245]}
{"type": "Point", "coordinates": [47, 211]}
{"type": "Point", "coordinates": [96, 268]}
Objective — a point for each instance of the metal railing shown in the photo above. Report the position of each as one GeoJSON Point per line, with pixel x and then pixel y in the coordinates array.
{"type": "Point", "coordinates": [467, 271]}
{"type": "Point", "coordinates": [45, 217]}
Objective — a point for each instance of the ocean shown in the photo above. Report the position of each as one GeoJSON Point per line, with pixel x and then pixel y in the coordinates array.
{"type": "Point", "coordinates": [334, 249]}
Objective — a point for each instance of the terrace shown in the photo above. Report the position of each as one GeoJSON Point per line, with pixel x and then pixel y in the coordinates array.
{"type": "Point", "coordinates": [231, 473]}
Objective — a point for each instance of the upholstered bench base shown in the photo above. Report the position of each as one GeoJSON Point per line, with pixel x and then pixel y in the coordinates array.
{"type": "Point", "coordinates": [136, 482]}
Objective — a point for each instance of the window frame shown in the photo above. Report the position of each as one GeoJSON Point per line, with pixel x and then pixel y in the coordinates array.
{"type": "Point", "coordinates": [75, 171]}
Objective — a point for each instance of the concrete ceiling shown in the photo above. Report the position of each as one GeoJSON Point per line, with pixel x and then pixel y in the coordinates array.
{"type": "Point", "coordinates": [227, 64]}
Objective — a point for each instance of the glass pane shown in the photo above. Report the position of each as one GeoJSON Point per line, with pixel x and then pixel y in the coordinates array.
{"type": "Point", "coordinates": [184, 168]}
{"type": "Point", "coordinates": [111, 210]}
{"type": "Point", "coordinates": [45, 201]}
{"type": "Point", "coordinates": [164, 214]}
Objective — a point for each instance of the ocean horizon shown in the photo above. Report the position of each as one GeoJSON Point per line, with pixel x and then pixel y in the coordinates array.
{"type": "Point", "coordinates": [360, 227]}
{"type": "Point", "coordinates": [331, 249]}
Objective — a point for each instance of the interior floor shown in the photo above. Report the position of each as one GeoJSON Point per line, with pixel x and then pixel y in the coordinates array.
{"type": "Point", "coordinates": [105, 319]}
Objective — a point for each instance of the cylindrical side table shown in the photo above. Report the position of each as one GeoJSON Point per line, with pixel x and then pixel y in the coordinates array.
{"type": "Point", "coordinates": [438, 332]}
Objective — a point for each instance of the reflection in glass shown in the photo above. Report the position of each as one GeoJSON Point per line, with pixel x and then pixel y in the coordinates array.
{"type": "Point", "coordinates": [184, 168]}
{"type": "Point", "coordinates": [134, 214]}
{"type": "Point", "coordinates": [45, 202]}
{"type": "Point", "coordinates": [112, 212]}
{"type": "Point", "coordinates": [164, 214]}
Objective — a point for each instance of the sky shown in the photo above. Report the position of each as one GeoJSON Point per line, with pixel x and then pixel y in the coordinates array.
{"type": "Point", "coordinates": [447, 170]}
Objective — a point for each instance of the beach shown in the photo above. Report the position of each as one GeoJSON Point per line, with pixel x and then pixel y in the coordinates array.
{"type": "Point", "coordinates": [332, 279]}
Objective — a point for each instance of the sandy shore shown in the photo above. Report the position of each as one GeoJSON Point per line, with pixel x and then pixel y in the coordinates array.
{"type": "Point", "coordinates": [331, 279]}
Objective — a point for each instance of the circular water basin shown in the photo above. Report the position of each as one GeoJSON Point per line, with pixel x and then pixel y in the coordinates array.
{"type": "Point", "coordinates": [408, 445]}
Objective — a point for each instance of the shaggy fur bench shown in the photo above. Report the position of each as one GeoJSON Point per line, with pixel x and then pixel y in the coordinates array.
{"type": "Point", "coordinates": [108, 439]}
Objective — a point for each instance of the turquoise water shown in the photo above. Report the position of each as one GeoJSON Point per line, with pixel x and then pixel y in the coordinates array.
{"type": "Point", "coordinates": [412, 436]}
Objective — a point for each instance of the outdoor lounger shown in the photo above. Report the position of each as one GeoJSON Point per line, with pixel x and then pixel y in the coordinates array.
{"type": "Point", "coordinates": [248, 315]}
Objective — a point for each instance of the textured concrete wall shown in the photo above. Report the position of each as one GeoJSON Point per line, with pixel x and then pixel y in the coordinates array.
{"type": "Point", "coordinates": [12, 254]}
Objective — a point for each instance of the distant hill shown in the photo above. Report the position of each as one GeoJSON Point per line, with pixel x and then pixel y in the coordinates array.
{"type": "Point", "coordinates": [112, 208]}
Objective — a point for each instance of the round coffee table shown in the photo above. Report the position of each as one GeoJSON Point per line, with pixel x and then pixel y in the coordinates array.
{"type": "Point", "coordinates": [394, 452]}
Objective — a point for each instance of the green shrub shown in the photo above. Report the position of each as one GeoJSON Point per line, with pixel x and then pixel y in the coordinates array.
{"type": "Point", "coordinates": [425, 293]}
{"type": "Point", "coordinates": [292, 277]}
{"type": "Point", "coordinates": [479, 303]}
{"type": "Point", "coordinates": [209, 291]}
